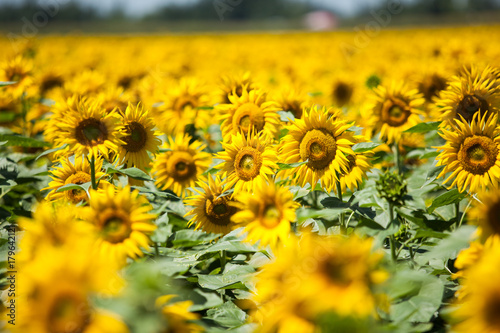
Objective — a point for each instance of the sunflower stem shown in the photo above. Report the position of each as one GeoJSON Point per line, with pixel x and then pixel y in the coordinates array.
{"type": "Point", "coordinates": [457, 214]}
{"type": "Point", "coordinates": [92, 172]}
{"type": "Point", "coordinates": [392, 240]}
{"type": "Point", "coordinates": [397, 157]}
{"type": "Point", "coordinates": [222, 260]}
{"type": "Point", "coordinates": [343, 228]}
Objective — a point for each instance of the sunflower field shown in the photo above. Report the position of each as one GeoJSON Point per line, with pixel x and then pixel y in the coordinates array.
{"type": "Point", "coordinates": [288, 182]}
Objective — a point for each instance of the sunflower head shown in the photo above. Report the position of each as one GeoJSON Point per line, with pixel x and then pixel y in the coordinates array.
{"type": "Point", "coordinates": [249, 112]}
{"type": "Point", "coordinates": [266, 214]}
{"type": "Point", "coordinates": [471, 153]}
{"type": "Point", "coordinates": [212, 210]}
{"type": "Point", "coordinates": [486, 213]}
{"type": "Point", "coordinates": [342, 92]}
{"type": "Point", "coordinates": [323, 143]}
{"type": "Point", "coordinates": [431, 85]}
{"type": "Point", "coordinates": [392, 187]}
{"type": "Point", "coordinates": [181, 165]}
{"type": "Point", "coordinates": [247, 159]}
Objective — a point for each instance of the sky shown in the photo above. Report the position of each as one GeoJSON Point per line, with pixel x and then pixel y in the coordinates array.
{"type": "Point", "coordinates": [141, 7]}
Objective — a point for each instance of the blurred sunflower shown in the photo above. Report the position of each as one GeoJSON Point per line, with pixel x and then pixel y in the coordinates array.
{"type": "Point", "coordinates": [322, 143]}
{"type": "Point", "coordinates": [357, 167]}
{"type": "Point", "coordinates": [88, 129]}
{"type": "Point", "coordinates": [486, 213]}
{"type": "Point", "coordinates": [395, 109]}
{"type": "Point", "coordinates": [178, 316]}
{"type": "Point", "coordinates": [342, 92]}
{"type": "Point", "coordinates": [18, 70]}
{"type": "Point", "coordinates": [74, 170]}
{"type": "Point", "coordinates": [249, 112]}
{"type": "Point", "coordinates": [431, 85]}
{"type": "Point", "coordinates": [247, 159]}
{"type": "Point", "coordinates": [212, 212]}
{"type": "Point", "coordinates": [266, 214]}
{"type": "Point", "coordinates": [181, 165]}
{"type": "Point", "coordinates": [292, 101]}
{"type": "Point", "coordinates": [122, 220]}
{"type": "Point", "coordinates": [471, 153]}
{"type": "Point", "coordinates": [139, 138]}
{"type": "Point", "coordinates": [233, 84]}
{"type": "Point", "coordinates": [477, 310]}
{"type": "Point", "coordinates": [469, 93]}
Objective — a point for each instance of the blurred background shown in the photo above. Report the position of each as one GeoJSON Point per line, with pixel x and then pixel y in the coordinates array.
{"type": "Point", "coordinates": [160, 16]}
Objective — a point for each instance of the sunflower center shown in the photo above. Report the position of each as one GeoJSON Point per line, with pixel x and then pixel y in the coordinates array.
{"type": "Point", "coordinates": [91, 132]}
{"type": "Point", "coordinates": [136, 137]}
{"type": "Point", "coordinates": [115, 226]}
{"type": "Point", "coordinates": [219, 211]}
{"type": "Point", "coordinates": [342, 93]}
{"type": "Point", "coordinates": [319, 147]}
{"type": "Point", "coordinates": [493, 217]}
{"type": "Point", "coordinates": [184, 102]}
{"type": "Point", "coordinates": [247, 163]}
{"type": "Point", "coordinates": [68, 314]}
{"type": "Point", "coordinates": [471, 104]}
{"type": "Point", "coordinates": [181, 166]}
{"type": "Point", "coordinates": [78, 178]}
{"type": "Point", "coordinates": [247, 117]}
{"type": "Point", "coordinates": [271, 217]}
{"type": "Point", "coordinates": [478, 154]}
{"type": "Point", "coordinates": [492, 309]}
{"type": "Point", "coordinates": [395, 112]}
{"type": "Point", "coordinates": [336, 271]}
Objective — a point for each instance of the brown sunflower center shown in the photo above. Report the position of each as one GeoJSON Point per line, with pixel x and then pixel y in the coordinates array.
{"type": "Point", "coordinates": [491, 311]}
{"type": "Point", "coordinates": [181, 166]}
{"type": "Point", "coordinates": [78, 178]}
{"type": "Point", "coordinates": [219, 211]}
{"type": "Point", "coordinates": [471, 104]}
{"type": "Point", "coordinates": [294, 107]}
{"type": "Point", "coordinates": [91, 132]}
{"type": "Point", "coordinates": [247, 163]}
{"type": "Point", "coordinates": [115, 225]}
{"type": "Point", "coordinates": [136, 137]}
{"type": "Point", "coordinates": [395, 112]}
{"type": "Point", "coordinates": [68, 314]}
{"type": "Point", "coordinates": [271, 216]}
{"type": "Point", "coordinates": [493, 217]}
{"type": "Point", "coordinates": [336, 270]}
{"type": "Point", "coordinates": [183, 102]}
{"type": "Point", "coordinates": [342, 93]}
{"type": "Point", "coordinates": [478, 154]}
{"type": "Point", "coordinates": [431, 86]}
{"type": "Point", "coordinates": [247, 117]}
{"type": "Point", "coordinates": [319, 147]}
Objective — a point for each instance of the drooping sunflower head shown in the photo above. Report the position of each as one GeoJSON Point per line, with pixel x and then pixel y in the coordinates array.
{"type": "Point", "coordinates": [122, 221]}
{"type": "Point", "coordinates": [247, 160]}
{"type": "Point", "coordinates": [469, 93]}
{"type": "Point", "coordinates": [249, 112]}
{"type": "Point", "coordinates": [266, 214]}
{"type": "Point", "coordinates": [320, 141]}
{"type": "Point", "coordinates": [395, 109]}
{"type": "Point", "coordinates": [139, 138]}
{"type": "Point", "coordinates": [357, 167]}
{"type": "Point", "coordinates": [212, 211]}
{"type": "Point", "coordinates": [181, 165]}
{"type": "Point", "coordinates": [471, 153]}
{"type": "Point", "coordinates": [233, 85]}
{"type": "Point", "coordinates": [88, 129]}
{"type": "Point", "coordinates": [486, 213]}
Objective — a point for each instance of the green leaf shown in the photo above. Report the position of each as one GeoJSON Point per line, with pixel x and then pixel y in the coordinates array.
{"type": "Point", "coordinates": [131, 172]}
{"type": "Point", "coordinates": [364, 146]}
{"type": "Point", "coordinates": [286, 115]}
{"type": "Point", "coordinates": [205, 108]}
{"type": "Point", "coordinates": [285, 166]}
{"type": "Point", "coordinates": [424, 127]}
{"type": "Point", "coordinates": [22, 141]}
{"type": "Point", "coordinates": [227, 315]}
{"type": "Point", "coordinates": [7, 83]}
{"type": "Point", "coordinates": [50, 151]}
{"type": "Point", "coordinates": [189, 238]}
{"type": "Point", "coordinates": [447, 198]}
{"type": "Point", "coordinates": [85, 187]}
{"type": "Point", "coordinates": [6, 116]}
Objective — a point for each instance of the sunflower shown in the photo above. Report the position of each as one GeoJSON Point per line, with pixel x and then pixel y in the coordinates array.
{"type": "Point", "coordinates": [18, 70]}
{"type": "Point", "coordinates": [358, 166]}
{"type": "Point", "coordinates": [74, 170]}
{"type": "Point", "coordinates": [431, 85]}
{"type": "Point", "coordinates": [342, 92]}
{"type": "Point", "coordinates": [122, 220]}
{"type": "Point", "coordinates": [88, 129]}
{"type": "Point", "coordinates": [471, 153]}
{"type": "Point", "coordinates": [395, 109]}
{"type": "Point", "coordinates": [486, 213]}
{"type": "Point", "coordinates": [178, 316]}
{"type": "Point", "coordinates": [249, 112]}
{"type": "Point", "coordinates": [247, 160]}
{"type": "Point", "coordinates": [322, 144]}
{"type": "Point", "coordinates": [266, 214]}
{"type": "Point", "coordinates": [139, 138]}
{"type": "Point", "coordinates": [478, 302]}
{"type": "Point", "coordinates": [293, 101]}
{"type": "Point", "coordinates": [233, 84]}
{"type": "Point", "coordinates": [469, 93]}
{"type": "Point", "coordinates": [180, 166]}
{"type": "Point", "coordinates": [56, 288]}
{"type": "Point", "coordinates": [212, 212]}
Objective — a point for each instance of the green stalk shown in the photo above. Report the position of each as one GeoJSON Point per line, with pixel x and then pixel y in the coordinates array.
{"type": "Point", "coordinates": [343, 228]}
{"type": "Point", "coordinates": [222, 261]}
{"type": "Point", "coordinates": [392, 240]}
{"type": "Point", "coordinates": [397, 157]}
{"type": "Point", "coordinates": [92, 172]}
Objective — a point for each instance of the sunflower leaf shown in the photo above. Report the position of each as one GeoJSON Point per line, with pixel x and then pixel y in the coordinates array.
{"type": "Point", "coordinates": [22, 141]}
{"type": "Point", "coordinates": [68, 187]}
{"type": "Point", "coordinates": [286, 166]}
{"type": "Point", "coordinates": [50, 151]}
{"type": "Point", "coordinates": [447, 198]}
{"type": "Point", "coordinates": [423, 127]}
{"type": "Point", "coordinates": [364, 146]}
{"type": "Point", "coordinates": [131, 172]}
